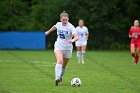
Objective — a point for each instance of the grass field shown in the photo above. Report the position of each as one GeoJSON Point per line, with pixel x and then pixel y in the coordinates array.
{"type": "Point", "coordinates": [103, 72]}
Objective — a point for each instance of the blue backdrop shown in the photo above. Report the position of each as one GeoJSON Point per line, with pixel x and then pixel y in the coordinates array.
{"type": "Point", "coordinates": [22, 40]}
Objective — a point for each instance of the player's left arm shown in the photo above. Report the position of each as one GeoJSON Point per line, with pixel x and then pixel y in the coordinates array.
{"type": "Point", "coordinates": [87, 34]}
{"type": "Point", "coordinates": [74, 39]}
{"type": "Point", "coordinates": [75, 35]}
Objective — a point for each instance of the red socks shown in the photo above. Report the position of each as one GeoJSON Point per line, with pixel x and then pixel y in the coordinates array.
{"type": "Point", "coordinates": [136, 58]}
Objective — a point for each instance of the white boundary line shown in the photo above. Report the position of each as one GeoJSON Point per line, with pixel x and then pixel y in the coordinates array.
{"type": "Point", "coordinates": [41, 63]}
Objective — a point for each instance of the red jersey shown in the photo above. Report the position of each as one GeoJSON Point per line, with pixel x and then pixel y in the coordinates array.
{"type": "Point", "coordinates": [135, 33]}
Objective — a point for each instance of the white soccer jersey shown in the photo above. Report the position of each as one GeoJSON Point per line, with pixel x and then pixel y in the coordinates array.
{"type": "Point", "coordinates": [82, 33]}
{"type": "Point", "coordinates": [64, 33]}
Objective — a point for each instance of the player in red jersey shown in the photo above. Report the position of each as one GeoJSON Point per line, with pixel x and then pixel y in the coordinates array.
{"type": "Point", "coordinates": [134, 34]}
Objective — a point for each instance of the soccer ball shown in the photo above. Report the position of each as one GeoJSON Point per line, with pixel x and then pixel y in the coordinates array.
{"type": "Point", "coordinates": [76, 82]}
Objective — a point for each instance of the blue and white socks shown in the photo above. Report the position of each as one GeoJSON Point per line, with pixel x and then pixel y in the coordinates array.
{"type": "Point", "coordinates": [80, 56]}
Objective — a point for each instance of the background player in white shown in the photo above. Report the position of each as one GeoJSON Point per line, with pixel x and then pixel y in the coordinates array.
{"type": "Point", "coordinates": [81, 43]}
{"type": "Point", "coordinates": [63, 45]}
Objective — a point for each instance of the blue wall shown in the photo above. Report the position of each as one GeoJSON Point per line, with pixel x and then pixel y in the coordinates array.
{"type": "Point", "coordinates": [22, 40]}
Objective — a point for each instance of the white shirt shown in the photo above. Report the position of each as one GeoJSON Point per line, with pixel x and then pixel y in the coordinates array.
{"type": "Point", "coordinates": [64, 33]}
{"type": "Point", "coordinates": [82, 32]}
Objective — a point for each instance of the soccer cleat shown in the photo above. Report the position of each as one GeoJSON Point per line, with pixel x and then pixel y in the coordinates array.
{"type": "Point", "coordinates": [61, 80]}
{"type": "Point", "coordinates": [83, 62]}
{"type": "Point", "coordinates": [57, 82]}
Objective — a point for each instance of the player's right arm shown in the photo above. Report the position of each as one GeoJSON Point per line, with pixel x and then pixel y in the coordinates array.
{"type": "Point", "coordinates": [51, 30]}
{"type": "Point", "coordinates": [130, 32]}
{"type": "Point", "coordinates": [130, 36]}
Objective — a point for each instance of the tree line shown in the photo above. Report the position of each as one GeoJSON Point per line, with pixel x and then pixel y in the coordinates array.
{"type": "Point", "coordinates": [108, 21]}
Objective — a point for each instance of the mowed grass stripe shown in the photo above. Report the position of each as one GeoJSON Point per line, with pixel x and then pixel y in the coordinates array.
{"type": "Point", "coordinates": [96, 74]}
{"type": "Point", "coordinates": [100, 60]}
{"type": "Point", "coordinates": [113, 72]}
{"type": "Point", "coordinates": [31, 64]}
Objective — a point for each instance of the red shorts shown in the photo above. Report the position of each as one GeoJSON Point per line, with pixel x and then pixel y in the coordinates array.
{"type": "Point", "coordinates": [135, 43]}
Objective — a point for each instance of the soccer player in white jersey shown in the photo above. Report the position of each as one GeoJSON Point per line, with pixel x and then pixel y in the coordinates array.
{"type": "Point", "coordinates": [63, 45]}
{"type": "Point", "coordinates": [81, 43]}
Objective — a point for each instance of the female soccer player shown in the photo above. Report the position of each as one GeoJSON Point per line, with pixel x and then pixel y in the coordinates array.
{"type": "Point", "coordinates": [81, 43]}
{"type": "Point", "coordinates": [134, 34]}
{"type": "Point", "coordinates": [63, 45]}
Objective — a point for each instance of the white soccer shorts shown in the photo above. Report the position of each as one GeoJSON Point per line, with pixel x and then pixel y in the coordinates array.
{"type": "Point", "coordinates": [66, 53]}
{"type": "Point", "coordinates": [81, 43]}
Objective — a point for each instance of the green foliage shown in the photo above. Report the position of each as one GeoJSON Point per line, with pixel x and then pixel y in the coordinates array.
{"type": "Point", "coordinates": [108, 21]}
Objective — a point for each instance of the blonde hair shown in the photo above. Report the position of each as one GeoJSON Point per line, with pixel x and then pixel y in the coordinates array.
{"type": "Point", "coordinates": [64, 14]}
{"type": "Point", "coordinates": [136, 20]}
{"type": "Point", "coordinates": [81, 20]}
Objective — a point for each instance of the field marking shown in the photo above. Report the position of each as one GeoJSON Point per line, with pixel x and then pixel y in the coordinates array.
{"type": "Point", "coordinates": [36, 61]}
{"type": "Point", "coordinates": [45, 62]}
{"type": "Point", "coordinates": [44, 65]}
{"type": "Point", "coordinates": [2, 61]}
{"type": "Point", "coordinates": [25, 61]}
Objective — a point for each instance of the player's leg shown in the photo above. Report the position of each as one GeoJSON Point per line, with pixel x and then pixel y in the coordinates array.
{"type": "Point", "coordinates": [133, 51]}
{"type": "Point", "coordinates": [65, 62]}
{"type": "Point", "coordinates": [79, 53]}
{"type": "Point", "coordinates": [83, 52]}
{"type": "Point", "coordinates": [58, 67]}
{"type": "Point", "coordinates": [67, 55]}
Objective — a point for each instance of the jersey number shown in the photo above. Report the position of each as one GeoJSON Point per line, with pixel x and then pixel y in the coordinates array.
{"type": "Point", "coordinates": [82, 35]}
{"type": "Point", "coordinates": [62, 36]}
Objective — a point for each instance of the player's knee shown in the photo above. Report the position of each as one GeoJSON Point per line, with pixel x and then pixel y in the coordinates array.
{"type": "Point", "coordinates": [60, 61]}
{"type": "Point", "coordinates": [133, 54]}
{"type": "Point", "coordinates": [83, 52]}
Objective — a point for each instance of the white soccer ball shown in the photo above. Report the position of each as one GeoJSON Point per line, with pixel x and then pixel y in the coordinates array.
{"type": "Point", "coordinates": [76, 82]}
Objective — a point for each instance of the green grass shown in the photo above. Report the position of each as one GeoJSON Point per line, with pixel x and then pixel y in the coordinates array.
{"type": "Point", "coordinates": [103, 72]}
